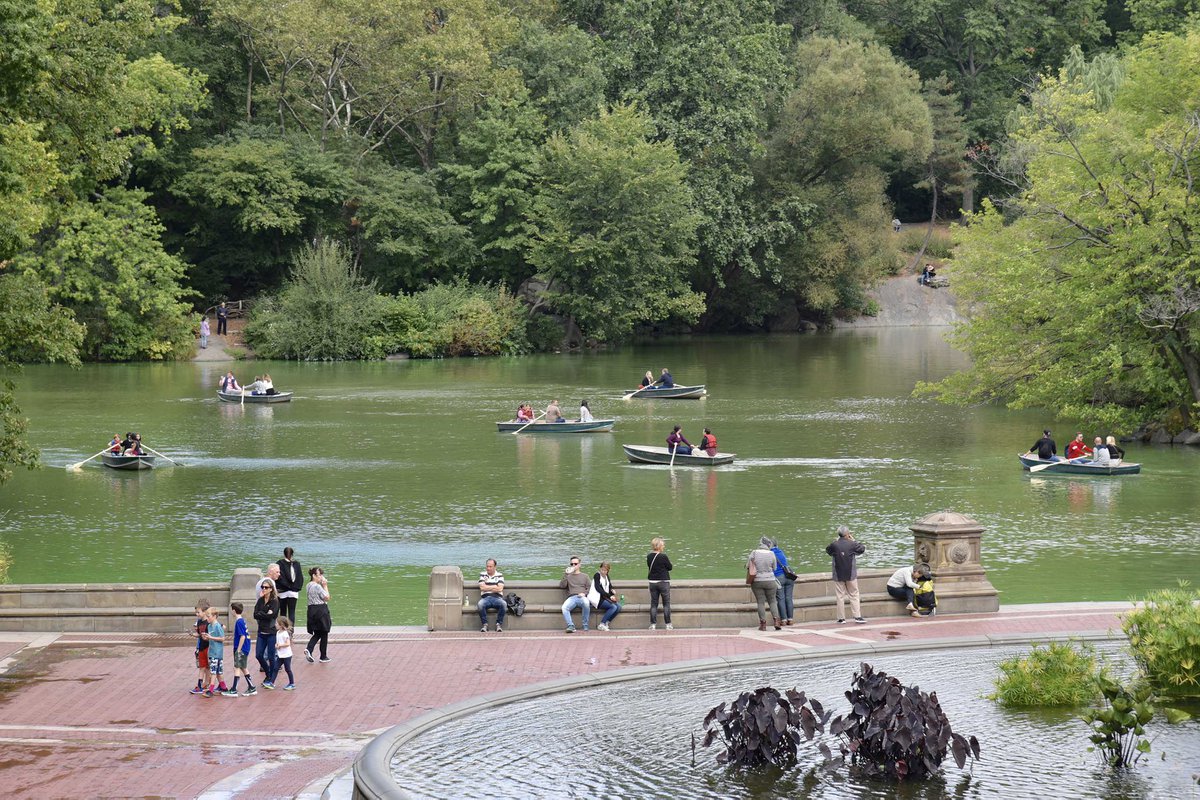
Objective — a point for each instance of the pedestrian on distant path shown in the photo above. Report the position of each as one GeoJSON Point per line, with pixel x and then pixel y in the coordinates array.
{"type": "Point", "coordinates": [760, 574]}
{"type": "Point", "coordinates": [222, 319]}
{"type": "Point", "coordinates": [845, 552]}
{"type": "Point", "coordinates": [205, 332]}
{"type": "Point", "coordinates": [659, 576]}
{"type": "Point", "coordinates": [317, 619]}
{"type": "Point", "coordinates": [288, 584]}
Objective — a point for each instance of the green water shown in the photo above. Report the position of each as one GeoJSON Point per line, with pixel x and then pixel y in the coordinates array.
{"type": "Point", "coordinates": [380, 471]}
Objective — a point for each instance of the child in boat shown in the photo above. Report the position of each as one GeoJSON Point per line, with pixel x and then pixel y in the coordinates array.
{"type": "Point", "coordinates": [115, 445]}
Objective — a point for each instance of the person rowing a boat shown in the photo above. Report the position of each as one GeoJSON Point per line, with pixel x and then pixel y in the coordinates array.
{"type": "Point", "coordinates": [554, 413]}
{"type": "Point", "coordinates": [1045, 448]}
{"type": "Point", "coordinates": [665, 381]}
{"type": "Point", "coordinates": [115, 445]}
{"type": "Point", "coordinates": [677, 444]}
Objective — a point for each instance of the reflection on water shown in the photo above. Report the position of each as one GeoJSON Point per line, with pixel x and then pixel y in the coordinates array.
{"type": "Point", "coordinates": [1024, 753]}
{"type": "Point", "coordinates": [381, 470]}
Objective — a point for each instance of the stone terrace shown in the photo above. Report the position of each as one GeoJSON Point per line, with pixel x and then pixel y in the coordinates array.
{"type": "Point", "coordinates": [109, 715]}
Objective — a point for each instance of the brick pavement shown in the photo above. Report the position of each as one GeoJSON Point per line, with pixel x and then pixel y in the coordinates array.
{"type": "Point", "coordinates": [109, 715]}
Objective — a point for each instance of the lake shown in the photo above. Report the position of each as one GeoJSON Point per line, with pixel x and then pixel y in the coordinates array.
{"type": "Point", "coordinates": [380, 471]}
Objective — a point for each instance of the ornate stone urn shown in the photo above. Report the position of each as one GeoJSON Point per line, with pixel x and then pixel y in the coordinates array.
{"type": "Point", "coordinates": [949, 543]}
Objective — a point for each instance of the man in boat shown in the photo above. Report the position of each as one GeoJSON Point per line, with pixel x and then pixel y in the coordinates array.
{"type": "Point", "coordinates": [665, 381]}
{"type": "Point", "coordinates": [229, 383]}
{"type": "Point", "coordinates": [554, 413]}
{"type": "Point", "coordinates": [1045, 448]}
{"type": "Point", "coordinates": [1077, 450]}
{"type": "Point", "coordinates": [1100, 454]}
{"type": "Point", "coordinates": [708, 442]}
{"type": "Point", "coordinates": [677, 444]}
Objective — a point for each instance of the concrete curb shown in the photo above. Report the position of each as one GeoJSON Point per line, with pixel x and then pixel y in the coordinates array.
{"type": "Point", "coordinates": [372, 767]}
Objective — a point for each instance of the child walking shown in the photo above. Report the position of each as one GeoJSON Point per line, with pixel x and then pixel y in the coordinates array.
{"type": "Point", "coordinates": [241, 652]}
{"type": "Point", "coordinates": [283, 655]}
{"type": "Point", "coordinates": [216, 653]}
{"type": "Point", "coordinates": [201, 630]}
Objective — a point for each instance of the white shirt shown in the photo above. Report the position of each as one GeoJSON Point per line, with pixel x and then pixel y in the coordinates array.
{"type": "Point", "coordinates": [902, 577]}
{"type": "Point", "coordinates": [584, 414]}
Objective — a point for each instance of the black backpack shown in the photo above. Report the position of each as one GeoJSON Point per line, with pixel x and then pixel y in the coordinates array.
{"type": "Point", "coordinates": [515, 604]}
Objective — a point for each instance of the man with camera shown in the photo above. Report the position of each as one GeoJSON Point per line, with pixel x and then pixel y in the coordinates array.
{"type": "Point", "coordinates": [577, 583]}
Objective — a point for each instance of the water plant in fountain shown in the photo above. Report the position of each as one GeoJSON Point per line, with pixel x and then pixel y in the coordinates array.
{"type": "Point", "coordinates": [1056, 675]}
{"type": "Point", "coordinates": [764, 727]}
{"type": "Point", "coordinates": [897, 730]}
{"type": "Point", "coordinates": [1164, 638]}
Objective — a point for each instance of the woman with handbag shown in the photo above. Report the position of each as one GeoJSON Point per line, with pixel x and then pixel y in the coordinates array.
{"type": "Point", "coordinates": [659, 577]}
{"type": "Point", "coordinates": [787, 584]}
{"type": "Point", "coordinates": [760, 575]}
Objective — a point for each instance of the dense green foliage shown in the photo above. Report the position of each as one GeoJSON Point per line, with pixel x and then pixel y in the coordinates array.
{"type": "Point", "coordinates": [1164, 636]}
{"type": "Point", "coordinates": [1059, 674]}
{"type": "Point", "coordinates": [1085, 286]}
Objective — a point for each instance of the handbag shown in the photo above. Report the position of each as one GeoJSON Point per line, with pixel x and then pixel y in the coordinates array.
{"type": "Point", "coordinates": [593, 597]}
{"type": "Point", "coordinates": [787, 573]}
{"type": "Point", "coordinates": [751, 572]}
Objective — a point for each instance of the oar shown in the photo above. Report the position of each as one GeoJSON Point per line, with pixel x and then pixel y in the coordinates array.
{"type": "Point", "coordinates": [173, 461]}
{"type": "Point", "coordinates": [1041, 467]}
{"type": "Point", "coordinates": [76, 467]}
{"type": "Point", "coordinates": [631, 394]}
{"type": "Point", "coordinates": [674, 447]}
{"type": "Point", "coordinates": [527, 424]}
{"type": "Point", "coordinates": [242, 403]}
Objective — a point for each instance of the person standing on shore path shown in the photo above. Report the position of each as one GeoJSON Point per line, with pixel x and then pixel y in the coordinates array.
{"type": "Point", "coordinates": [222, 319]}
{"type": "Point", "coordinates": [205, 332]}
{"type": "Point", "coordinates": [845, 552]}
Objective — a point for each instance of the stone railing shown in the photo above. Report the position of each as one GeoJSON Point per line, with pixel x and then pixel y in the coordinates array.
{"type": "Point", "coordinates": [948, 542]}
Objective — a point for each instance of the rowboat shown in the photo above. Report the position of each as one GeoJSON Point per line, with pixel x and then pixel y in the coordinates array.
{"type": "Point", "coordinates": [645, 454]}
{"type": "Point", "coordinates": [570, 426]}
{"type": "Point", "coordinates": [127, 462]}
{"type": "Point", "coordinates": [1085, 468]}
{"type": "Point", "coordinates": [673, 393]}
{"type": "Point", "coordinates": [238, 397]}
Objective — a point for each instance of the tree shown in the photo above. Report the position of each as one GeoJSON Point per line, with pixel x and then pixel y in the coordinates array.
{"type": "Point", "coordinates": [31, 329]}
{"type": "Point", "coordinates": [1088, 301]}
{"type": "Point", "coordinates": [615, 231]}
{"type": "Point", "coordinates": [104, 261]}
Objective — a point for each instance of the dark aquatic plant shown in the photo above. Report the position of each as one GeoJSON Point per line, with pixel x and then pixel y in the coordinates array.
{"type": "Point", "coordinates": [896, 730]}
{"type": "Point", "coordinates": [765, 727]}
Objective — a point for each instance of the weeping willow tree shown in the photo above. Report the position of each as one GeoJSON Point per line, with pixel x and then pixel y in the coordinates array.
{"type": "Point", "coordinates": [1084, 287]}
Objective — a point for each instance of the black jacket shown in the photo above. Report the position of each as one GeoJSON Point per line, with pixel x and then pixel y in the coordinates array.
{"type": "Point", "coordinates": [660, 568]}
{"type": "Point", "coordinates": [291, 576]}
{"type": "Point", "coordinates": [266, 615]}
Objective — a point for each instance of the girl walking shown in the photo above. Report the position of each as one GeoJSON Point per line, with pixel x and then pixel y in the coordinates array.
{"type": "Point", "coordinates": [283, 655]}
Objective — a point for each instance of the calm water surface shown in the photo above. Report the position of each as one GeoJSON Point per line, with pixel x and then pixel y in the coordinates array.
{"type": "Point", "coordinates": [380, 471]}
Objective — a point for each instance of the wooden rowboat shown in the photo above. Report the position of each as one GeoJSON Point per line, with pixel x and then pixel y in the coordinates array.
{"type": "Point", "coordinates": [645, 454]}
{"type": "Point", "coordinates": [1067, 468]}
{"type": "Point", "coordinates": [673, 393]}
{"type": "Point", "coordinates": [238, 397]}
{"type": "Point", "coordinates": [570, 426]}
{"type": "Point", "coordinates": [127, 462]}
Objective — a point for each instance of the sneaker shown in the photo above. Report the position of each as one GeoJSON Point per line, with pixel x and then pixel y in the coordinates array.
{"type": "Point", "coordinates": [670, 627]}
{"type": "Point", "coordinates": [481, 630]}
{"type": "Point", "coordinates": [915, 614]}
{"type": "Point", "coordinates": [841, 622]}
{"type": "Point", "coordinates": [910, 607]}
{"type": "Point", "coordinates": [602, 627]}
{"type": "Point", "coordinates": [499, 629]}
{"type": "Point", "coordinates": [229, 693]}
{"type": "Point", "coordinates": [253, 690]}
{"type": "Point", "coordinates": [308, 657]}
{"type": "Point", "coordinates": [570, 629]}
{"type": "Point", "coordinates": [267, 685]}
{"type": "Point", "coordinates": [289, 687]}
{"type": "Point", "coordinates": [860, 620]}
{"type": "Point", "coordinates": [197, 690]}
{"type": "Point", "coordinates": [208, 693]}
{"type": "Point", "coordinates": [585, 628]}
{"type": "Point", "coordinates": [325, 659]}
{"type": "Point", "coordinates": [653, 626]}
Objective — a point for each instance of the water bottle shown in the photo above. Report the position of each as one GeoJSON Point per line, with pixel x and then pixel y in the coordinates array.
{"type": "Point", "coordinates": [622, 599]}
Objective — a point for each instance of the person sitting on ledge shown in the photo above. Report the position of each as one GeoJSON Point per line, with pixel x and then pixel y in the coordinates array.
{"type": "Point", "coordinates": [903, 584]}
{"type": "Point", "coordinates": [491, 595]}
{"type": "Point", "coordinates": [577, 584]}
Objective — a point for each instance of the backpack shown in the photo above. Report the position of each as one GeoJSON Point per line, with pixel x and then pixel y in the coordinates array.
{"type": "Point", "coordinates": [924, 597]}
{"type": "Point", "coordinates": [515, 604]}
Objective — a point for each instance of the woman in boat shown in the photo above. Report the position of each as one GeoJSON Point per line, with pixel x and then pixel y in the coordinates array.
{"type": "Point", "coordinates": [318, 619]}
{"type": "Point", "coordinates": [659, 577]}
{"type": "Point", "coordinates": [268, 385]}
{"type": "Point", "coordinates": [585, 413]}
{"type": "Point", "coordinates": [525, 413]}
{"type": "Point", "coordinates": [648, 380]}
{"type": "Point", "coordinates": [254, 387]}
{"type": "Point", "coordinates": [708, 442]}
{"type": "Point", "coordinates": [229, 383]}
{"type": "Point", "coordinates": [677, 444]}
{"type": "Point", "coordinates": [1114, 453]}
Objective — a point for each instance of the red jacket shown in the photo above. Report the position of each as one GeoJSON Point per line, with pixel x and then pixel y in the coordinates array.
{"type": "Point", "coordinates": [1076, 449]}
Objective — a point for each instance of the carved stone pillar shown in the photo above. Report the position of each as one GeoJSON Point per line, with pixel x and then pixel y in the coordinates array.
{"type": "Point", "coordinates": [446, 597]}
{"type": "Point", "coordinates": [949, 543]}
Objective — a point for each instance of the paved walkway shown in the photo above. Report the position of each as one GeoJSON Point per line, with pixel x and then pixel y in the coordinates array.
{"type": "Point", "coordinates": [109, 715]}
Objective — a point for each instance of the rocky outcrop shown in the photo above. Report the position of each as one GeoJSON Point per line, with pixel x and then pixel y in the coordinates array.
{"type": "Point", "coordinates": [902, 302]}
